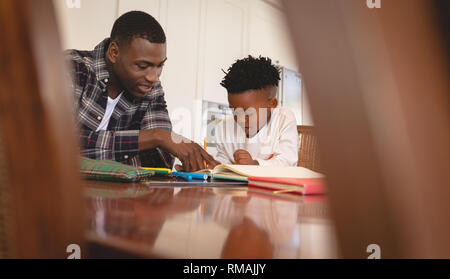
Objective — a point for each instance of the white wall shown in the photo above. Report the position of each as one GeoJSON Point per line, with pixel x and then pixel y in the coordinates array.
{"type": "Point", "coordinates": [203, 37]}
{"type": "Point", "coordinates": [85, 27]}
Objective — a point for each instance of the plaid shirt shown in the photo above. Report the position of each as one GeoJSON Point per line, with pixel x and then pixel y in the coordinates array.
{"type": "Point", "coordinates": [120, 140]}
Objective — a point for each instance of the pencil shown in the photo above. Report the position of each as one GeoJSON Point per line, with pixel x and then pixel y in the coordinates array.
{"type": "Point", "coordinates": [204, 147]}
{"type": "Point", "coordinates": [285, 191]}
{"type": "Point", "coordinates": [202, 208]}
{"type": "Point", "coordinates": [158, 170]}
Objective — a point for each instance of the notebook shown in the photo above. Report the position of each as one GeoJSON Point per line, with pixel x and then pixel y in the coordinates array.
{"type": "Point", "coordinates": [302, 186]}
{"type": "Point", "coordinates": [242, 172]}
{"type": "Point", "coordinates": [108, 170]}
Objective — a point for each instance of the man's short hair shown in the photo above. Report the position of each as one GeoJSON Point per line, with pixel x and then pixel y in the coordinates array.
{"type": "Point", "coordinates": [137, 24]}
{"type": "Point", "coordinates": [250, 73]}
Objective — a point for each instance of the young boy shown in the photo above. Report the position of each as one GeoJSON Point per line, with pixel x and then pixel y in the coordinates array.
{"type": "Point", "coordinates": [265, 134]}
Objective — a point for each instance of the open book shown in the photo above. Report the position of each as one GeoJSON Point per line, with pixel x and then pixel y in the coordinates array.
{"type": "Point", "coordinates": [242, 172]}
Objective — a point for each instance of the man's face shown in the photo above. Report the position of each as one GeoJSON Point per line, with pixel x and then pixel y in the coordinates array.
{"type": "Point", "coordinates": [138, 65]}
{"type": "Point", "coordinates": [252, 108]}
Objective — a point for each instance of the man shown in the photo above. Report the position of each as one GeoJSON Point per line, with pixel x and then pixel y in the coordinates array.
{"type": "Point", "coordinates": [119, 101]}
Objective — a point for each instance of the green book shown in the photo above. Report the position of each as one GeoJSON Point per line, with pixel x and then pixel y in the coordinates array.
{"type": "Point", "coordinates": [108, 170]}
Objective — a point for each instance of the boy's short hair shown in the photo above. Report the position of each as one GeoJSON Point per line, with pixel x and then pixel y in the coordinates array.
{"type": "Point", "coordinates": [137, 24]}
{"type": "Point", "coordinates": [250, 73]}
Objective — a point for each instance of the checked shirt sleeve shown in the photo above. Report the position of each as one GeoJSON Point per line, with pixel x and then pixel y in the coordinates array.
{"type": "Point", "coordinates": [109, 145]}
{"type": "Point", "coordinates": [123, 145]}
{"type": "Point", "coordinates": [156, 116]}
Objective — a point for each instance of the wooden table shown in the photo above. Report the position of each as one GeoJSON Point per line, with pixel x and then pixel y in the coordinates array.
{"type": "Point", "coordinates": [173, 219]}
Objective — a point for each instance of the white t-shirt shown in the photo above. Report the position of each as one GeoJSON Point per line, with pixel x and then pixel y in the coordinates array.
{"type": "Point", "coordinates": [110, 105]}
{"type": "Point", "coordinates": [276, 144]}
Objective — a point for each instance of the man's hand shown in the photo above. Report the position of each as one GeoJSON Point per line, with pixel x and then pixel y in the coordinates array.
{"type": "Point", "coordinates": [242, 157]}
{"type": "Point", "coordinates": [191, 155]}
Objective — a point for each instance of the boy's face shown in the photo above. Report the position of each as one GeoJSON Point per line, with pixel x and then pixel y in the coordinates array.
{"type": "Point", "coordinates": [138, 65]}
{"type": "Point", "coordinates": [252, 108]}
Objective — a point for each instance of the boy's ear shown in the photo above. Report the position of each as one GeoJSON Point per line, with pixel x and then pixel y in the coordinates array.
{"type": "Point", "coordinates": [273, 103]}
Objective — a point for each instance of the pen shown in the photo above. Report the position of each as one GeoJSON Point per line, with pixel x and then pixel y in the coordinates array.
{"type": "Point", "coordinates": [190, 175]}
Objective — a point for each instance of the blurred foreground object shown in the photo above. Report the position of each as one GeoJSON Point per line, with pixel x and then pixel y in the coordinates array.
{"type": "Point", "coordinates": [378, 84]}
{"type": "Point", "coordinates": [40, 194]}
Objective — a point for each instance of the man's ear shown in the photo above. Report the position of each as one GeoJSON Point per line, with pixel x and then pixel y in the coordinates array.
{"type": "Point", "coordinates": [113, 52]}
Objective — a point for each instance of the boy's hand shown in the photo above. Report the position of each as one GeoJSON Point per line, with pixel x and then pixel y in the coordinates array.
{"type": "Point", "coordinates": [242, 157]}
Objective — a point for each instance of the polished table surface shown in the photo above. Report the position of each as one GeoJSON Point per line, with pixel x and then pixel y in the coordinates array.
{"type": "Point", "coordinates": [168, 219]}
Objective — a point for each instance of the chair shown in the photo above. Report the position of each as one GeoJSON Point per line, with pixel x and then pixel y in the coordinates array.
{"type": "Point", "coordinates": [308, 152]}
{"type": "Point", "coordinates": [5, 233]}
{"type": "Point", "coordinates": [382, 104]}
{"type": "Point", "coordinates": [41, 202]}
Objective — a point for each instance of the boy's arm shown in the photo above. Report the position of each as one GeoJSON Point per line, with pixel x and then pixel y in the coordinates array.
{"type": "Point", "coordinates": [221, 154]}
{"type": "Point", "coordinates": [286, 151]}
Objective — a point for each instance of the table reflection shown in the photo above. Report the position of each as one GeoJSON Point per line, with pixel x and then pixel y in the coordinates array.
{"type": "Point", "coordinates": [209, 222]}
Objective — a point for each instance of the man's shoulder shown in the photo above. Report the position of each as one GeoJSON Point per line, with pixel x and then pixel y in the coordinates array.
{"type": "Point", "coordinates": [156, 92]}
{"type": "Point", "coordinates": [82, 58]}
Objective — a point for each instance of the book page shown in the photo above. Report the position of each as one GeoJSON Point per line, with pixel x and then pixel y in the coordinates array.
{"type": "Point", "coordinates": [268, 171]}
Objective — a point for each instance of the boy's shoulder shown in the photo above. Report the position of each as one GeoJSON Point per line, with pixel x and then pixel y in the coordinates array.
{"type": "Point", "coordinates": [228, 120]}
{"type": "Point", "coordinates": [284, 114]}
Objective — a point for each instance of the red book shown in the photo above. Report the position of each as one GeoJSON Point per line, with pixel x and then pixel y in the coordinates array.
{"type": "Point", "coordinates": [302, 186]}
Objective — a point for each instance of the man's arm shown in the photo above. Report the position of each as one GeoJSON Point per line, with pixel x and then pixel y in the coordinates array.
{"type": "Point", "coordinates": [191, 155]}
{"type": "Point", "coordinates": [109, 145]}
{"type": "Point", "coordinates": [156, 117]}
{"type": "Point", "coordinates": [156, 133]}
